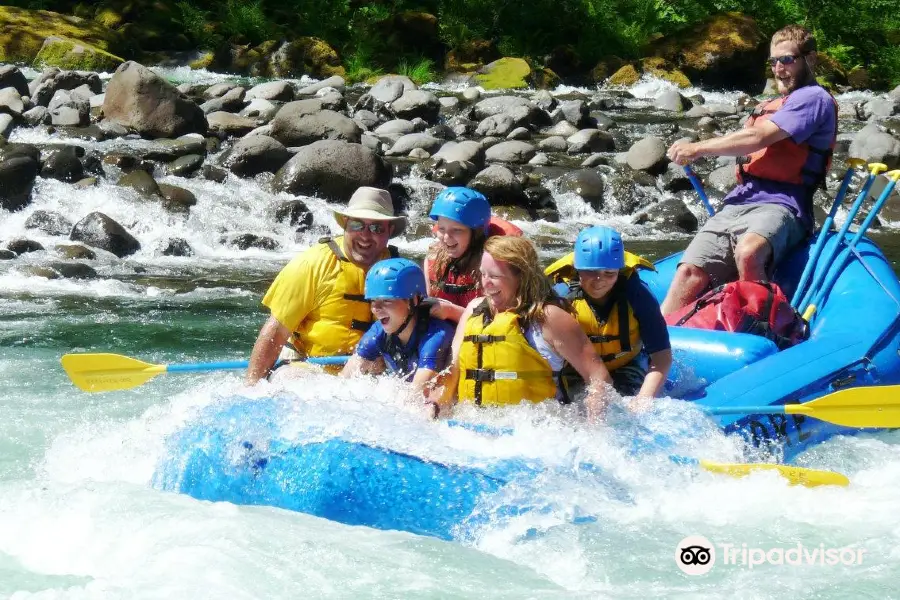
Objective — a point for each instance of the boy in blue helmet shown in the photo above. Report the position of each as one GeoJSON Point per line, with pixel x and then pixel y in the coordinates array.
{"type": "Point", "coordinates": [616, 310]}
{"type": "Point", "coordinates": [404, 339]}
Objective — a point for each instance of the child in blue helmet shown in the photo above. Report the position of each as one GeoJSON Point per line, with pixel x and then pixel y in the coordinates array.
{"type": "Point", "coordinates": [462, 224]}
{"type": "Point", "coordinates": [617, 311]}
{"type": "Point", "coordinates": [404, 339]}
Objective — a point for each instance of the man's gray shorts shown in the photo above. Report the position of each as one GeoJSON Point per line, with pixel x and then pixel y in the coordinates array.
{"type": "Point", "coordinates": [712, 249]}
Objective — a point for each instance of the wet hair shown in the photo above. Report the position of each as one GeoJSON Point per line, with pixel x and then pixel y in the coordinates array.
{"type": "Point", "coordinates": [535, 291]}
{"type": "Point", "coordinates": [467, 263]}
{"type": "Point", "coordinates": [798, 34]}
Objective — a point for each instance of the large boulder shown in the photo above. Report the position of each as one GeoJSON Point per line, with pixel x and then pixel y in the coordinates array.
{"type": "Point", "coordinates": [500, 185]}
{"type": "Point", "coordinates": [304, 121]}
{"type": "Point", "coordinates": [98, 230]}
{"type": "Point", "coordinates": [726, 50]}
{"type": "Point", "coordinates": [332, 169]}
{"type": "Point", "coordinates": [11, 76]}
{"type": "Point", "coordinates": [874, 145]}
{"type": "Point", "coordinates": [305, 56]}
{"type": "Point", "coordinates": [417, 103]}
{"type": "Point", "coordinates": [254, 155]}
{"type": "Point", "coordinates": [648, 154]}
{"type": "Point", "coordinates": [17, 175]}
{"type": "Point", "coordinates": [23, 32]}
{"type": "Point", "coordinates": [141, 100]}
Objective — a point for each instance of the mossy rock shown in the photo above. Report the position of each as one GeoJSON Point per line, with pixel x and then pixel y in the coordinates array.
{"type": "Point", "coordinates": [625, 76]}
{"type": "Point", "coordinates": [23, 31]}
{"type": "Point", "coordinates": [859, 78]}
{"type": "Point", "coordinates": [109, 18]}
{"type": "Point", "coordinates": [72, 55]}
{"type": "Point", "coordinates": [544, 79]}
{"type": "Point", "coordinates": [659, 67]}
{"type": "Point", "coordinates": [506, 73]}
{"type": "Point", "coordinates": [303, 56]}
{"type": "Point", "coordinates": [471, 56]}
{"type": "Point", "coordinates": [204, 61]}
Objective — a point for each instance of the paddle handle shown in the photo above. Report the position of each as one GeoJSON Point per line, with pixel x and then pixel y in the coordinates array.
{"type": "Point", "coordinates": [692, 177]}
{"type": "Point", "coordinates": [243, 364]}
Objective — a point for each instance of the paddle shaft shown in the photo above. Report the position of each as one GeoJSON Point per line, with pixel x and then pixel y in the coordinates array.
{"type": "Point", "coordinates": [854, 210]}
{"type": "Point", "coordinates": [695, 181]}
{"type": "Point", "coordinates": [820, 241]}
{"type": "Point", "coordinates": [243, 364]}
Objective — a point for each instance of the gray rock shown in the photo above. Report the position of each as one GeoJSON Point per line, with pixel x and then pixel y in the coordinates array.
{"type": "Point", "coordinates": [587, 183]}
{"type": "Point", "coordinates": [68, 116]}
{"type": "Point", "coordinates": [219, 89]}
{"type": "Point", "coordinates": [7, 254]}
{"type": "Point", "coordinates": [331, 169]}
{"type": "Point", "coordinates": [185, 165]}
{"type": "Point", "coordinates": [496, 125]}
{"type": "Point", "coordinates": [39, 115]}
{"type": "Point", "coordinates": [48, 221]}
{"type": "Point", "coordinates": [723, 179]}
{"type": "Point", "coordinates": [51, 79]}
{"type": "Point", "coordinates": [697, 111]}
{"type": "Point", "coordinates": [395, 127]}
{"type": "Point", "coordinates": [23, 246]}
{"type": "Point", "coordinates": [336, 82]}
{"type": "Point", "coordinates": [721, 110]}
{"type": "Point", "coordinates": [366, 119]}
{"type": "Point", "coordinates": [75, 251]}
{"type": "Point", "coordinates": [214, 173]}
{"type": "Point", "coordinates": [176, 199]}
{"type": "Point", "coordinates": [514, 152]}
{"type": "Point", "coordinates": [572, 111]}
{"type": "Point", "coordinates": [539, 159]}
{"type": "Point", "coordinates": [671, 100]}
{"type": "Point", "coordinates": [231, 101]}
{"type": "Point", "coordinates": [63, 164]}
{"type": "Point", "coordinates": [500, 185]}
{"type": "Point", "coordinates": [411, 141]}
{"type": "Point", "coordinates": [229, 124]}
{"type": "Point", "coordinates": [471, 94]}
{"type": "Point", "coordinates": [590, 140]}
{"type": "Point", "coordinates": [554, 143]}
{"type": "Point", "coordinates": [11, 101]}
{"type": "Point", "coordinates": [519, 133]}
{"type": "Point", "coordinates": [273, 91]}
{"type": "Point", "coordinates": [466, 151]}
{"type": "Point", "coordinates": [880, 108]}
{"type": "Point", "coordinates": [98, 230]}
{"type": "Point", "coordinates": [295, 213]}
{"type": "Point", "coordinates": [593, 160]}
{"type": "Point", "coordinates": [142, 182]}
{"type": "Point", "coordinates": [449, 102]}
{"type": "Point", "coordinates": [417, 103]}
{"type": "Point", "coordinates": [562, 129]}
{"type": "Point", "coordinates": [303, 121]}
{"type": "Point", "coordinates": [669, 215]}
{"type": "Point", "coordinates": [387, 89]}
{"type": "Point", "coordinates": [139, 99]}
{"type": "Point", "coordinates": [73, 270]}
{"type": "Point", "coordinates": [254, 155]}
{"type": "Point", "coordinates": [419, 154]}
{"type": "Point", "coordinates": [11, 76]}
{"type": "Point", "coordinates": [17, 175]}
{"type": "Point", "coordinates": [260, 110]}
{"type": "Point", "coordinates": [176, 247]}
{"type": "Point", "coordinates": [648, 154]}
{"type": "Point", "coordinates": [874, 145]}
{"type": "Point", "coordinates": [7, 124]}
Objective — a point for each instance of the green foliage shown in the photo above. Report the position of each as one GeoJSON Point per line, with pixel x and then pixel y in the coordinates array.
{"type": "Point", "coordinates": [247, 19]}
{"type": "Point", "coordinates": [195, 24]}
{"type": "Point", "coordinates": [358, 66]}
{"type": "Point", "coordinates": [420, 71]}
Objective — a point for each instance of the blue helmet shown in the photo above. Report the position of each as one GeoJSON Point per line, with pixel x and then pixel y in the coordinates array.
{"type": "Point", "coordinates": [395, 278]}
{"type": "Point", "coordinates": [599, 248]}
{"type": "Point", "coordinates": [463, 205]}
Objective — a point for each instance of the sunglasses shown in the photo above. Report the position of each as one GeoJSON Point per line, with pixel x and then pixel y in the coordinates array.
{"type": "Point", "coordinates": [355, 226]}
{"type": "Point", "coordinates": [787, 59]}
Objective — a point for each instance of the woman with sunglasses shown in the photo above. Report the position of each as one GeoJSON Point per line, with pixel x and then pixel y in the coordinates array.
{"type": "Point", "coordinates": [404, 340]}
{"type": "Point", "coordinates": [617, 311]}
{"type": "Point", "coordinates": [463, 222]}
{"type": "Point", "coordinates": [510, 346]}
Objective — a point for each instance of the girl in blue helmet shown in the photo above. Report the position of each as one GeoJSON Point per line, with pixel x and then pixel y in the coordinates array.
{"type": "Point", "coordinates": [462, 224]}
{"type": "Point", "coordinates": [619, 314]}
{"type": "Point", "coordinates": [404, 339]}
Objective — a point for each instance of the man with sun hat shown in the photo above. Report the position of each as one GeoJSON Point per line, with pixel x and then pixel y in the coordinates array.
{"type": "Point", "coordinates": [316, 303]}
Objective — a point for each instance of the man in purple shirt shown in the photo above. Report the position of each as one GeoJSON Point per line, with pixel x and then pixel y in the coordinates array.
{"type": "Point", "coordinates": [785, 151]}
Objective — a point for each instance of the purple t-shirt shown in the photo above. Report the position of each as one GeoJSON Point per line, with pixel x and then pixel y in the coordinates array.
{"type": "Point", "coordinates": [808, 116]}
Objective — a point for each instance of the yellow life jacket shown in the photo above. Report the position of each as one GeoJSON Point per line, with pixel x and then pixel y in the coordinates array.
{"type": "Point", "coordinates": [344, 316]}
{"type": "Point", "coordinates": [616, 345]}
{"type": "Point", "coordinates": [497, 364]}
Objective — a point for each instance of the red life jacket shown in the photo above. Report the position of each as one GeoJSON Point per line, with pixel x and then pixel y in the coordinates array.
{"type": "Point", "coordinates": [462, 288]}
{"type": "Point", "coordinates": [786, 160]}
{"type": "Point", "coordinates": [756, 307]}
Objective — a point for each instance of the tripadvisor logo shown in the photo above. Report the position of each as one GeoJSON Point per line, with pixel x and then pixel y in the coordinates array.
{"type": "Point", "coordinates": [696, 555]}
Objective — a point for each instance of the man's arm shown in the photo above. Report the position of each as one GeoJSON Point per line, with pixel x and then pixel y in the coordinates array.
{"type": "Point", "coordinates": [269, 342]}
{"type": "Point", "coordinates": [737, 143]}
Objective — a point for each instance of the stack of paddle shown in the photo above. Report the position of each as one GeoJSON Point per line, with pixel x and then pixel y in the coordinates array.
{"type": "Point", "coordinates": [862, 407]}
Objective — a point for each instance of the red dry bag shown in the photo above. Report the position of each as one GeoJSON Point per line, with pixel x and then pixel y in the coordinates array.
{"type": "Point", "coordinates": [756, 307]}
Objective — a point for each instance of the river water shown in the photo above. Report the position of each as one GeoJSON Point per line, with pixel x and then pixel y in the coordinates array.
{"type": "Point", "coordinates": [79, 517]}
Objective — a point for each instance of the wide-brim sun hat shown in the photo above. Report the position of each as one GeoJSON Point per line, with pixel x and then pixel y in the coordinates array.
{"type": "Point", "coordinates": [371, 204]}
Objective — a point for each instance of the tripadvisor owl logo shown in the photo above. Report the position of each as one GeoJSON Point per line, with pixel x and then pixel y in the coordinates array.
{"type": "Point", "coordinates": [695, 555]}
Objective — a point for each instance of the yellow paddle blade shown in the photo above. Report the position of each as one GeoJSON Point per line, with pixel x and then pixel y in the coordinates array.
{"type": "Point", "coordinates": [108, 372]}
{"type": "Point", "coordinates": [868, 407]}
{"type": "Point", "coordinates": [796, 475]}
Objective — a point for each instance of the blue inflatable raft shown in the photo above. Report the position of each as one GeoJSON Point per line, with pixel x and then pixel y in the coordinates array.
{"type": "Point", "coordinates": [854, 341]}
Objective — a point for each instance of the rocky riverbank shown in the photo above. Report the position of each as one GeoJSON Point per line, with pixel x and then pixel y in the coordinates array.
{"type": "Point", "coordinates": [321, 140]}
